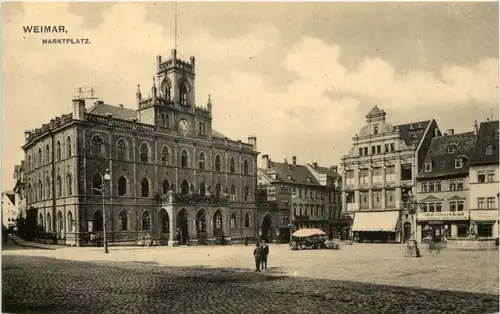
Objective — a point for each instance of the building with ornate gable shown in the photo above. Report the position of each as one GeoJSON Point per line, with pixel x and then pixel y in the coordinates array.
{"type": "Point", "coordinates": [379, 173]}
{"type": "Point", "coordinates": [174, 179]}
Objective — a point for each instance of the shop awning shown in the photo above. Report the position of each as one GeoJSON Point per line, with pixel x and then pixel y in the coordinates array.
{"type": "Point", "coordinates": [375, 221]}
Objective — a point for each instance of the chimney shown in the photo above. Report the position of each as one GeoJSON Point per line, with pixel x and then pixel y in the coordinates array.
{"type": "Point", "coordinates": [315, 165]}
{"type": "Point", "coordinates": [294, 160]}
{"type": "Point", "coordinates": [445, 134]}
{"type": "Point", "coordinates": [285, 162]}
{"type": "Point", "coordinates": [252, 140]}
{"type": "Point", "coordinates": [475, 127]}
{"type": "Point", "coordinates": [265, 161]}
{"type": "Point", "coordinates": [120, 105]}
{"type": "Point", "coordinates": [334, 169]}
{"type": "Point", "coordinates": [436, 132]}
{"type": "Point", "coordinates": [451, 131]}
{"type": "Point", "coordinates": [78, 109]}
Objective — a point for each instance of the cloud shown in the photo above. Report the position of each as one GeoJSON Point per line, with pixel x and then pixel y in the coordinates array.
{"type": "Point", "coordinates": [313, 116]}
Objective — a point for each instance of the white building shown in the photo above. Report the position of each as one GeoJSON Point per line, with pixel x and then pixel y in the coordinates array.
{"type": "Point", "coordinates": [484, 179]}
{"type": "Point", "coordinates": [379, 174]}
{"type": "Point", "coordinates": [9, 210]}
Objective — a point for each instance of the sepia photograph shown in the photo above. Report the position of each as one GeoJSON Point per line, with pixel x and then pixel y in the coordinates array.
{"type": "Point", "coordinates": [250, 157]}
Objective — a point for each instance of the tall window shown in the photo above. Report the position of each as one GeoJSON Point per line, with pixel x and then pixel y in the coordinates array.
{"type": "Point", "coordinates": [217, 163]}
{"type": "Point", "coordinates": [145, 188]}
{"type": "Point", "coordinates": [184, 159]}
{"type": "Point", "coordinates": [202, 128]}
{"type": "Point", "coordinates": [122, 221]}
{"type": "Point", "coordinates": [121, 150]}
{"type": "Point", "coordinates": [185, 187]}
{"type": "Point", "coordinates": [233, 193]}
{"type": "Point", "coordinates": [68, 147]}
{"type": "Point", "coordinates": [146, 219]}
{"type": "Point", "coordinates": [202, 189]}
{"type": "Point", "coordinates": [231, 165]}
{"type": "Point", "coordinates": [202, 161]}
{"type": "Point", "coordinates": [245, 167]}
{"type": "Point", "coordinates": [245, 193]}
{"type": "Point", "coordinates": [49, 222]}
{"type": "Point", "coordinates": [144, 153]}
{"type": "Point", "coordinates": [233, 220]}
{"type": "Point", "coordinates": [47, 153]}
{"type": "Point", "coordinates": [183, 94]}
{"type": "Point", "coordinates": [59, 186]}
{"type": "Point", "coordinates": [69, 184]}
{"type": "Point", "coordinates": [166, 121]}
{"type": "Point", "coordinates": [48, 188]}
{"type": "Point", "coordinates": [40, 159]}
{"type": "Point", "coordinates": [58, 151]}
{"type": "Point", "coordinates": [122, 186]}
{"type": "Point", "coordinates": [165, 156]}
{"type": "Point", "coordinates": [218, 220]}
{"type": "Point", "coordinates": [96, 184]}
{"type": "Point", "coordinates": [165, 186]}
{"type": "Point", "coordinates": [247, 220]}
{"type": "Point", "coordinates": [40, 190]}
{"type": "Point", "coordinates": [218, 190]}
{"type": "Point", "coordinates": [70, 222]}
{"type": "Point", "coordinates": [96, 146]}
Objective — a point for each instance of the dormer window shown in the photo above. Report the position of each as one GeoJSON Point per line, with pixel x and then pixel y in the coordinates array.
{"type": "Point", "coordinates": [489, 150]}
{"type": "Point", "coordinates": [428, 166]}
{"type": "Point", "coordinates": [451, 149]}
{"type": "Point", "coordinates": [459, 163]}
{"type": "Point", "coordinates": [309, 180]}
{"type": "Point", "coordinates": [290, 178]}
{"type": "Point", "coordinates": [375, 130]}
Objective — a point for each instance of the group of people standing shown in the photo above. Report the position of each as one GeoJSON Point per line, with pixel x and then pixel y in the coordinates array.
{"type": "Point", "coordinates": [260, 254]}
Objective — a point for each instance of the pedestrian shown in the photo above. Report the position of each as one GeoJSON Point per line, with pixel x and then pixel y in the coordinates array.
{"type": "Point", "coordinates": [256, 255]}
{"type": "Point", "coordinates": [264, 252]}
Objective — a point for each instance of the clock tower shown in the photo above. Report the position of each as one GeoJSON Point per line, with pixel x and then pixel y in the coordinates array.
{"type": "Point", "coordinates": [172, 104]}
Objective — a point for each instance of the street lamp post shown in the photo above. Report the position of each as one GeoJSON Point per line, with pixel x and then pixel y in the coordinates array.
{"type": "Point", "coordinates": [107, 177]}
{"type": "Point", "coordinates": [412, 208]}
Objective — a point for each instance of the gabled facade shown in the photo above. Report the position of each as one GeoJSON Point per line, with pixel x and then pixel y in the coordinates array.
{"type": "Point", "coordinates": [173, 178]}
{"type": "Point", "coordinates": [484, 181]}
{"type": "Point", "coordinates": [10, 211]}
{"type": "Point", "coordinates": [304, 196]}
{"type": "Point", "coordinates": [443, 187]}
{"type": "Point", "coordinates": [19, 189]}
{"type": "Point", "coordinates": [379, 173]}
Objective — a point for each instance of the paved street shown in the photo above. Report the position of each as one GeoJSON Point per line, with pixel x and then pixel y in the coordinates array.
{"type": "Point", "coordinates": [220, 280]}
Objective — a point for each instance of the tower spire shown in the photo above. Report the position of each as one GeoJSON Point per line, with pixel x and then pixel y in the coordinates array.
{"type": "Point", "coordinates": [175, 24]}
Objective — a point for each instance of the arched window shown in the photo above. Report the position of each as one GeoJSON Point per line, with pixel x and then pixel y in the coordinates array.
{"type": "Point", "coordinates": [202, 161]}
{"type": "Point", "coordinates": [49, 222]}
{"type": "Point", "coordinates": [40, 219]}
{"type": "Point", "coordinates": [146, 221]}
{"type": "Point", "coordinates": [233, 220]}
{"type": "Point", "coordinates": [231, 165]}
{"type": "Point", "coordinates": [35, 191]}
{"type": "Point", "coordinates": [59, 186]}
{"type": "Point", "coordinates": [167, 90]}
{"type": "Point", "coordinates": [145, 188]}
{"type": "Point", "coordinates": [60, 222]}
{"type": "Point", "coordinates": [96, 184]}
{"type": "Point", "coordinates": [217, 163]}
{"type": "Point", "coordinates": [30, 166]}
{"type": "Point", "coordinates": [121, 150]}
{"type": "Point", "coordinates": [247, 220]}
{"type": "Point", "coordinates": [218, 190]}
{"type": "Point", "coordinates": [40, 159]}
{"type": "Point", "coordinates": [144, 152]}
{"type": "Point", "coordinates": [28, 195]}
{"type": "Point", "coordinates": [201, 222]}
{"type": "Point", "coordinates": [48, 187]}
{"type": "Point", "coordinates": [233, 193]}
{"type": "Point", "coordinates": [96, 146]}
{"type": "Point", "coordinates": [70, 222]}
{"type": "Point", "coordinates": [47, 153]}
{"type": "Point", "coordinates": [246, 192]}
{"type": "Point", "coordinates": [165, 156]}
{"type": "Point", "coordinates": [97, 221]}
{"type": "Point", "coordinates": [68, 147]}
{"type": "Point", "coordinates": [183, 94]}
{"type": "Point", "coordinates": [165, 223]}
{"type": "Point", "coordinates": [218, 220]}
{"type": "Point", "coordinates": [203, 189]}
{"type": "Point", "coordinates": [245, 166]}
{"type": "Point", "coordinates": [58, 151]}
{"type": "Point", "coordinates": [122, 221]}
{"type": "Point", "coordinates": [184, 159]}
{"type": "Point", "coordinates": [185, 187]}
{"type": "Point", "coordinates": [122, 186]}
{"type": "Point", "coordinates": [167, 121]}
{"type": "Point", "coordinates": [69, 184]}
{"type": "Point", "coordinates": [201, 127]}
{"type": "Point", "coordinates": [164, 120]}
{"type": "Point", "coordinates": [165, 186]}
{"type": "Point", "coordinates": [40, 190]}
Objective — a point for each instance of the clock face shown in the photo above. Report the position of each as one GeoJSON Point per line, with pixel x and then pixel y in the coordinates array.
{"type": "Point", "coordinates": [183, 124]}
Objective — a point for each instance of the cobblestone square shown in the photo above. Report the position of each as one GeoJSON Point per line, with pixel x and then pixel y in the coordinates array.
{"type": "Point", "coordinates": [220, 279]}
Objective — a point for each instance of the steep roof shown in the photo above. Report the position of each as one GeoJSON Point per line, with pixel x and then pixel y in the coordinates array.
{"type": "Point", "coordinates": [487, 136]}
{"type": "Point", "coordinates": [412, 133]}
{"type": "Point", "coordinates": [443, 159]}
{"type": "Point", "coordinates": [324, 170]}
{"type": "Point", "coordinates": [292, 174]}
{"type": "Point", "coordinates": [118, 112]}
{"type": "Point", "coordinates": [11, 197]}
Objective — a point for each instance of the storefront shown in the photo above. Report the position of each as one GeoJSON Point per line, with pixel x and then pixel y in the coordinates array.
{"type": "Point", "coordinates": [439, 226]}
{"type": "Point", "coordinates": [339, 229]}
{"type": "Point", "coordinates": [376, 227]}
{"type": "Point", "coordinates": [486, 223]}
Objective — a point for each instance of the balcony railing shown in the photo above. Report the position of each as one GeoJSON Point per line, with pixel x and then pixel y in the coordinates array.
{"type": "Point", "coordinates": [193, 199]}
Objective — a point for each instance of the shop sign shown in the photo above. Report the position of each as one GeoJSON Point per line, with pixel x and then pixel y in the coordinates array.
{"type": "Point", "coordinates": [443, 216]}
{"type": "Point", "coordinates": [484, 215]}
{"type": "Point", "coordinates": [271, 193]}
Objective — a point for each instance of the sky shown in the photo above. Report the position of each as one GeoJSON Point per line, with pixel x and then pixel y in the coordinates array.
{"type": "Point", "coordinates": [299, 76]}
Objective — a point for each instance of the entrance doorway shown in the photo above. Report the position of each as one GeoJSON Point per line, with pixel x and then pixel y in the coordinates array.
{"type": "Point", "coordinates": [182, 227]}
{"type": "Point", "coordinates": [406, 231]}
{"type": "Point", "coordinates": [267, 228]}
{"type": "Point", "coordinates": [97, 221]}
